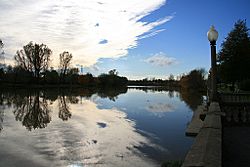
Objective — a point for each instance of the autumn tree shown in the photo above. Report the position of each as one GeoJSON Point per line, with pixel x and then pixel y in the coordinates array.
{"type": "Point", "coordinates": [65, 60]}
{"type": "Point", "coordinates": [234, 57]}
{"type": "Point", "coordinates": [34, 58]}
{"type": "Point", "coordinates": [194, 80]}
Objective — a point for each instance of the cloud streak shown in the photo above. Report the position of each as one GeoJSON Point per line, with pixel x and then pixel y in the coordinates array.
{"type": "Point", "coordinates": [160, 59]}
{"type": "Point", "coordinates": [78, 26]}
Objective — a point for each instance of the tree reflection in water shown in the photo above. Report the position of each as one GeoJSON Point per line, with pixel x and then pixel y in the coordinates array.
{"type": "Point", "coordinates": [4, 102]}
{"type": "Point", "coordinates": [1, 119]}
{"type": "Point", "coordinates": [1, 111]}
{"type": "Point", "coordinates": [64, 110]}
{"type": "Point", "coordinates": [192, 98]}
{"type": "Point", "coordinates": [32, 111]}
{"type": "Point", "coordinates": [32, 107]}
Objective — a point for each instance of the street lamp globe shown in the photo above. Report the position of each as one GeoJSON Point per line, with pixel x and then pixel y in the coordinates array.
{"type": "Point", "coordinates": [212, 34]}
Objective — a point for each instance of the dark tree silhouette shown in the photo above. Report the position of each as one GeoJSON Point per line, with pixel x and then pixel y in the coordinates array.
{"type": "Point", "coordinates": [1, 47]}
{"type": "Point", "coordinates": [171, 77]}
{"type": "Point", "coordinates": [234, 57]}
{"type": "Point", "coordinates": [65, 59]}
{"type": "Point", "coordinates": [112, 79]}
{"type": "Point", "coordinates": [113, 72]}
{"type": "Point", "coordinates": [51, 77]}
{"type": "Point", "coordinates": [87, 80]}
{"type": "Point", "coordinates": [72, 76]}
{"type": "Point", "coordinates": [1, 43]}
{"type": "Point", "coordinates": [34, 58]}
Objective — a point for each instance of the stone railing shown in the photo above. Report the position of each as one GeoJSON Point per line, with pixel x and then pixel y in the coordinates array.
{"type": "Point", "coordinates": [238, 114]}
{"type": "Point", "coordinates": [236, 107]}
{"type": "Point", "coordinates": [234, 98]}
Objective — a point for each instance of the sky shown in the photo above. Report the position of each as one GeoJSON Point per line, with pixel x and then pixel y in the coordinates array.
{"type": "Point", "coordinates": [139, 38]}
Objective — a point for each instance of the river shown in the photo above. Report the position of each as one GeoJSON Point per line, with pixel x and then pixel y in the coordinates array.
{"type": "Point", "coordinates": [83, 127]}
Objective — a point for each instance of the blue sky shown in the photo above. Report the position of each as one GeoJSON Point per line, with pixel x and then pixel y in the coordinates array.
{"type": "Point", "coordinates": [184, 37]}
{"type": "Point", "coordinates": [153, 38]}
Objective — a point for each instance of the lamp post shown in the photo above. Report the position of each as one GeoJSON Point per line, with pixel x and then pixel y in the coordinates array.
{"type": "Point", "coordinates": [212, 35]}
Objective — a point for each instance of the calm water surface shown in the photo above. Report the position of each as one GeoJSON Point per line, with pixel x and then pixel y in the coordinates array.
{"type": "Point", "coordinates": [128, 127]}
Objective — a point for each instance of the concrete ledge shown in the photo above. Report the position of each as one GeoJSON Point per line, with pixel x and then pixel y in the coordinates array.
{"type": "Point", "coordinates": [196, 123]}
{"type": "Point", "coordinates": [214, 106]}
{"type": "Point", "coordinates": [206, 150]}
{"type": "Point", "coordinates": [212, 121]}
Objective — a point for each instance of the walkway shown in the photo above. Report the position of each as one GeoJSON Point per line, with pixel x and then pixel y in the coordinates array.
{"type": "Point", "coordinates": [236, 147]}
{"type": "Point", "coordinates": [216, 145]}
{"type": "Point", "coordinates": [236, 130]}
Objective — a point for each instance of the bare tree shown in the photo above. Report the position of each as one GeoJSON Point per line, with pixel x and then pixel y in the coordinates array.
{"type": "Point", "coordinates": [1, 46]}
{"type": "Point", "coordinates": [113, 72]}
{"type": "Point", "coordinates": [171, 77]}
{"type": "Point", "coordinates": [65, 60]}
{"type": "Point", "coordinates": [2, 61]}
{"type": "Point", "coordinates": [34, 58]}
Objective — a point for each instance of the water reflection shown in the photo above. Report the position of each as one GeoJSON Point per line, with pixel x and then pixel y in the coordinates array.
{"type": "Point", "coordinates": [113, 93]}
{"type": "Point", "coordinates": [2, 107]}
{"type": "Point", "coordinates": [64, 110]}
{"type": "Point", "coordinates": [96, 137]}
{"type": "Point", "coordinates": [192, 98]}
{"type": "Point", "coordinates": [108, 128]}
{"type": "Point", "coordinates": [32, 107]}
{"type": "Point", "coordinates": [160, 107]}
{"type": "Point", "coordinates": [155, 89]}
{"type": "Point", "coordinates": [91, 127]}
{"type": "Point", "coordinates": [32, 111]}
{"type": "Point", "coordinates": [1, 119]}
{"type": "Point", "coordinates": [171, 93]}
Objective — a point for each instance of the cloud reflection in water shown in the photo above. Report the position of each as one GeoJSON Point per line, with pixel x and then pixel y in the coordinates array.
{"type": "Point", "coordinates": [86, 142]}
{"type": "Point", "coordinates": [159, 109]}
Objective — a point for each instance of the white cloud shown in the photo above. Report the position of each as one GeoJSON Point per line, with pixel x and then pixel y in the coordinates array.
{"type": "Point", "coordinates": [78, 26]}
{"type": "Point", "coordinates": [151, 34]}
{"type": "Point", "coordinates": [160, 59]}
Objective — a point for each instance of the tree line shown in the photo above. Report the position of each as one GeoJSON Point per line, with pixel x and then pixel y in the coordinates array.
{"type": "Point", "coordinates": [170, 82]}
{"type": "Point", "coordinates": [32, 66]}
{"type": "Point", "coordinates": [195, 79]}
